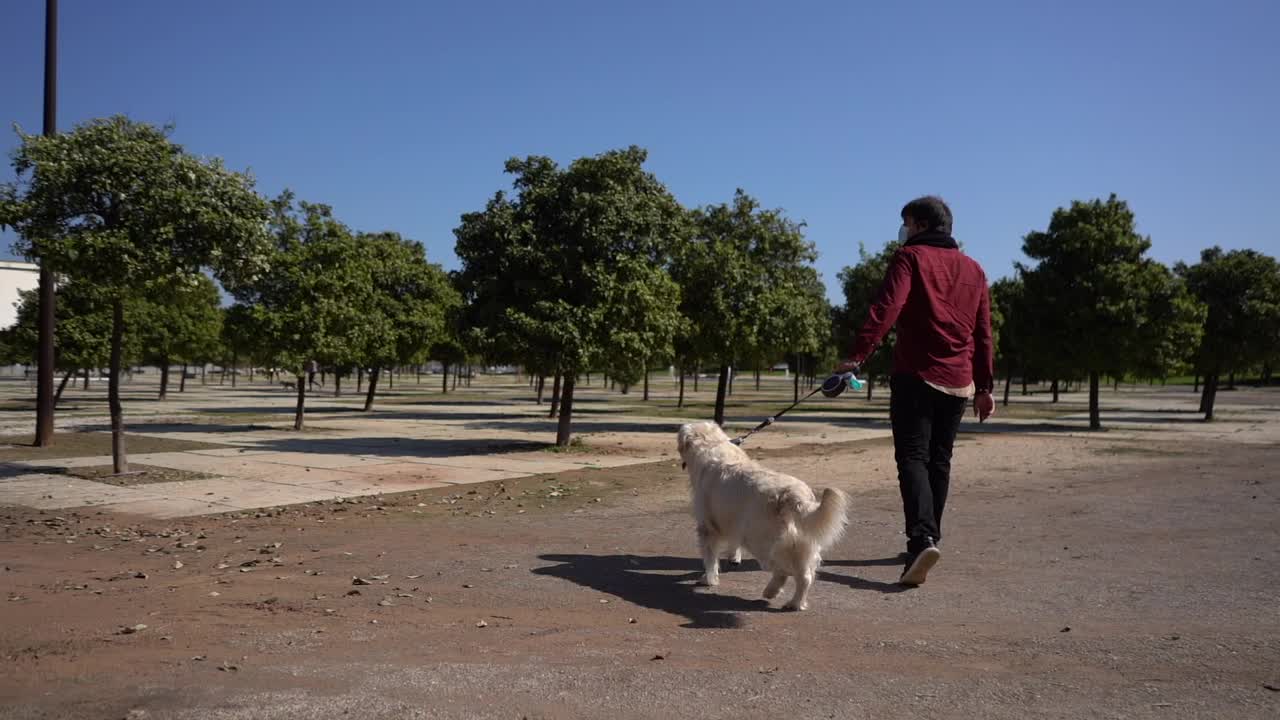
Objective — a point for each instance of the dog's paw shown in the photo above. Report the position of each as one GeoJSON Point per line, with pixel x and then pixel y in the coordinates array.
{"type": "Point", "coordinates": [794, 606]}
{"type": "Point", "coordinates": [736, 558]}
{"type": "Point", "coordinates": [705, 581]}
{"type": "Point", "coordinates": [771, 592]}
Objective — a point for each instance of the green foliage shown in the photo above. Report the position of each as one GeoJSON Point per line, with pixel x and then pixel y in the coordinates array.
{"type": "Point", "coordinates": [116, 204]}
{"type": "Point", "coordinates": [1009, 315]}
{"type": "Point", "coordinates": [1241, 289]}
{"type": "Point", "coordinates": [83, 339]}
{"type": "Point", "coordinates": [179, 321]}
{"type": "Point", "coordinates": [554, 275]}
{"type": "Point", "coordinates": [318, 300]}
{"type": "Point", "coordinates": [569, 272]}
{"type": "Point", "coordinates": [412, 298]}
{"type": "Point", "coordinates": [1100, 305]}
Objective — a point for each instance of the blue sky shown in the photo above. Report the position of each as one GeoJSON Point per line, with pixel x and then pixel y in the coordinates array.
{"type": "Point", "coordinates": [400, 114]}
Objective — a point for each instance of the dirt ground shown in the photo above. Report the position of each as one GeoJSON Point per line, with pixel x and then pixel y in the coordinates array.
{"type": "Point", "coordinates": [1080, 578]}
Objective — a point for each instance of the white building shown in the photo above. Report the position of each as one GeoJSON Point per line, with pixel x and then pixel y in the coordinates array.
{"type": "Point", "coordinates": [15, 277]}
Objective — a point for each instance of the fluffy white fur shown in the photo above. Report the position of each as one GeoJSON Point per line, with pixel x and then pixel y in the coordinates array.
{"type": "Point", "coordinates": [738, 503]}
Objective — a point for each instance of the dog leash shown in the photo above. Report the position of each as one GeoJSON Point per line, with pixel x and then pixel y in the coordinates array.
{"type": "Point", "coordinates": [831, 387]}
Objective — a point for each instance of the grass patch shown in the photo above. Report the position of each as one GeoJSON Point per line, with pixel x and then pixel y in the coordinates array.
{"type": "Point", "coordinates": [73, 445]}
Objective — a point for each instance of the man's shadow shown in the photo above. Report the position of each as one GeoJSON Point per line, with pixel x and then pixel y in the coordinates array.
{"type": "Point", "coordinates": [669, 584]}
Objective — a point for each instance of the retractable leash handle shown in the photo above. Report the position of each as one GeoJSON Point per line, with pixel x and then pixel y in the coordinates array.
{"type": "Point", "coordinates": [835, 385]}
{"type": "Point", "coordinates": [832, 387]}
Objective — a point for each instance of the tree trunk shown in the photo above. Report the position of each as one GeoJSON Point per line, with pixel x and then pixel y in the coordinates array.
{"type": "Point", "coordinates": [391, 379]}
{"type": "Point", "coordinates": [86, 378]}
{"type": "Point", "coordinates": [1196, 387]}
{"type": "Point", "coordinates": [302, 401]}
{"type": "Point", "coordinates": [721, 386]}
{"type": "Point", "coordinates": [444, 369]}
{"type": "Point", "coordinates": [164, 378]}
{"type": "Point", "coordinates": [540, 383]}
{"type": "Point", "coordinates": [870, 385]}
{"type": "Point", "coordinates": [457, 374]}
{"type": "Point", "coordinates": [555, 396]}
{"type": "Point", "coordinates": [1210, 394]}
{"type": "Point", "coordinates": [1054, 389]}
{"type": "Point", "coordinates": [119, 456]}
{"type": "Point", "coordinates": [337, 383]}
{"type": "Point", "coordinates": [374, 374]}
{"type": "Point", "coordinates": [757, 379]}
{"type": "Point", "coordinates": [1116, 387]}
{"type": "Point", "coordinates": [1008, 381]}
{"type": "Point", "coordinates": [646, 382]}
{"type": "Point", "coordinates": [62, 386]}
{"type": "Point", "coordinates": [418, 369]}
{"type": "Point", "coordinates": [1024, 381]}
{"type": "Point", "coordinates": [182, 381]}
{"type": "Point", "coordinates": [680, 401]}
{"type": "Point", "coordinates": [795, 389]}
{"type": "Point", "coordinates": [1095, 415]}
{"type": "Point", "coordinates": [360, 379]}
{"type": "Point", "coordinates": [1231, 380]}
{"type": "Point", "coordinates": [203, 369]}
{"type": "Point", "coordinates": [565, 426]}
{"type": "Point", "coordinates": [695, 377]}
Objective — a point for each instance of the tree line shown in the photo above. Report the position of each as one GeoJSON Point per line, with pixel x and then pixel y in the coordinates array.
{"type": "Point", "coordinates": [589, 267]}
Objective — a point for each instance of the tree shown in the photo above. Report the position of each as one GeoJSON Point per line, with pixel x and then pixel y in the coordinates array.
{"type": "Point", "coordinates": [179, 321]}
{"type": "Point", "coordinates": [240, 336]}
{"type": "Point", "coordinates": [411, 302]}
{"type": "Point", "coordinates": [117, 205]}
{"type": "Point", "coordinates": [1009, 308]}
{"type": "Point", "coordinates": [744, 276]}
{"type": "Point", "coordinates": [317, 301]}
{"type": "Point", "coordinates": [799, 325]}
{"type": "Point", "coordinates": [83, 341]}
{"type": "Point", "coordinates": [450, 347]}
{"type": "Point", "coordinates": [1241, 292]}
{"type": "Point", "coordinates": [1095, 293]}
{"type": "Point", "coordinates": [547, 274]}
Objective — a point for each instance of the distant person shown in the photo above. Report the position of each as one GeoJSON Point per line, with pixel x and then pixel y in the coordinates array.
{"type": "Point", "coordinates": [937, 296]}
{"type": "Point", "coordinates": [313, 367]}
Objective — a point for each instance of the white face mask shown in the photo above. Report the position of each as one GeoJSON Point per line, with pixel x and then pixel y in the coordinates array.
{"type": "Point", "coordinates": [903, 235]}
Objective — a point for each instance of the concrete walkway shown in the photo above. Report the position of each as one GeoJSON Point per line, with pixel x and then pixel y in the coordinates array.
{"type": "Point", "coordinates": [411, 446]}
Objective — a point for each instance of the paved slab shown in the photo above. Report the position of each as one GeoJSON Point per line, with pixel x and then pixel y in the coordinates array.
{"type": "Point", "coordinates": [48, 492]}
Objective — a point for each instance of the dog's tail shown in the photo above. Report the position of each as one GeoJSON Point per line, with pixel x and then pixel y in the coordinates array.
{"type": "Point", "coordinates": [824, 523]}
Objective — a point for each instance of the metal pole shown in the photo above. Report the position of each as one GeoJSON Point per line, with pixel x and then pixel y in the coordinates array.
{"type": "Point", "coordinates": [45, 359]}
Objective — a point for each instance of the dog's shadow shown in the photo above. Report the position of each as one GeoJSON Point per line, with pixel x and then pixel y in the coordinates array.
{"type": "Point", "coordinates": [669, 584]}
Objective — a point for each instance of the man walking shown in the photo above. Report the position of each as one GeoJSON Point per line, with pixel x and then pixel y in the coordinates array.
{"type": "Point", "coordinates": [938, 298]}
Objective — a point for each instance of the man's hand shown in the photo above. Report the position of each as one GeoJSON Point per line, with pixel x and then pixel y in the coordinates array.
{"type": "Point", "coordinates": [847, 366]}
{"type": "Point", "coordinates": [984, 406]}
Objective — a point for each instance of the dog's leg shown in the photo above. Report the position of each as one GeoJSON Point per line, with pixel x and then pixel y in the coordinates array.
{"type": "Point", "coordinates": [800, 601]}
{"type": "Point", "coordinates": [710, 558]}
{"type": "Point", "coordinates": [736, 557]}
{"type": "Point", "coordinates": [775, 586]}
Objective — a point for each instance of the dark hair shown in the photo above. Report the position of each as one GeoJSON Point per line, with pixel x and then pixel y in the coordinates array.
{"type": "Point", "coordinates": [930, 210]}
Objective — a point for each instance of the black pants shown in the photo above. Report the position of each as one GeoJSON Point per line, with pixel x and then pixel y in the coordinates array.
{"type": "Point", "coordinates": [925, 422]}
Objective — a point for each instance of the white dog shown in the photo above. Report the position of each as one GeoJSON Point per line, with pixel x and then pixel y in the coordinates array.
{"type": "Point", "coordinates": [738, 503]}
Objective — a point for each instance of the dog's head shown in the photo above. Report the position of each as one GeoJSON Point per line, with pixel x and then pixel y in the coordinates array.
{"type": "Point", "coordinates": [697, 436]}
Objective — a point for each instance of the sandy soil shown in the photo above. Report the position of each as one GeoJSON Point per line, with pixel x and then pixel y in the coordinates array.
{"type": "Point", "coordinates": [1080, 578]}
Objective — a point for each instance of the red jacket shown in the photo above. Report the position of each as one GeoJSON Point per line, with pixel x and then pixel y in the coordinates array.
{"type": "Point", "coordinates": [938, 297]}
